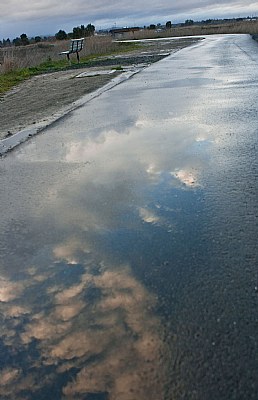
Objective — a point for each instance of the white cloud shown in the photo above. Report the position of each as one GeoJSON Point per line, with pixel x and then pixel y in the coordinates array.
{"type": "Point", "coordinates": [148, 216]}
{"type": "Point", "coordinates": [187, 177]}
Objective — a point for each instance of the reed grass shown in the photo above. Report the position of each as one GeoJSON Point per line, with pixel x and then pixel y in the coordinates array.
{"type": "Point", "coordinates": [248, 27]}
{"type": "Point", "coordinates": [20, 63]}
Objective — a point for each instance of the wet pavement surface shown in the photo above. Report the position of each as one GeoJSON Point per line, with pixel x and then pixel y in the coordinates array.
{"type": "Point", "coordinates": [129, 239]}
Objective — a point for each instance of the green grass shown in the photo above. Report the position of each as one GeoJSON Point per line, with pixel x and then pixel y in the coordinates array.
{"type": "Point", "coordinates": [127, 46]}
{"type": "Point", "coordinates": [48, 65]}
{"type": "Point", "coordinates": [118, 68]}
{"type": "Point", "coordinates": [12, 78]}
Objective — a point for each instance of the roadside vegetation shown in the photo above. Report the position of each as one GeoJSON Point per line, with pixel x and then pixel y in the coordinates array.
{"type": "Point", "coordinates": [191, 28]}
{"type": "Point", "coordinates": [24, 59]}
{"type": "Point", "coordinates": [23, 62]}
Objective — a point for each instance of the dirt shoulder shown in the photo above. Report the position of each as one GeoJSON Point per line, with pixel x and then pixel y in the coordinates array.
{"type": "Point", "coordinates": [42, 96]}
{"type": "Point", "coordinates": [37, 99]}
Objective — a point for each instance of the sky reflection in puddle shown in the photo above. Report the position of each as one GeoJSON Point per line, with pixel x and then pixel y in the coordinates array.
{"type": "Point", "coordinates": [128, 246]}
{"type": "Point", "coordinates": [76, 321]}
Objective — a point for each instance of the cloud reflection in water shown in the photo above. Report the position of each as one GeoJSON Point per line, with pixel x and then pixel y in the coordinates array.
{"type": "Point", "coordinates": [103, 326]}
{"type": "Point", "coordinates": [96, 328]}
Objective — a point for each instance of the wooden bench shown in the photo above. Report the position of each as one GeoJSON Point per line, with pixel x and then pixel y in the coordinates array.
{"type": "Point", "coordinates": [76, 46]}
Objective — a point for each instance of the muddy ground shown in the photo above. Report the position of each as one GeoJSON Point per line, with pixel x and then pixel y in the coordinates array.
{"type": "Point", "coordinates": [37, 99]}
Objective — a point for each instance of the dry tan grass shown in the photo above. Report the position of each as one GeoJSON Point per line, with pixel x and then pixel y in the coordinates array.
{"type": "Point", "coordinates": [99, 45]}
{"type": "Point", "coordinates": [14, 58]}
{"type": "Point", "coordinates": [9, 63]}
{"type": "Point", "coordinates": [250, 27]}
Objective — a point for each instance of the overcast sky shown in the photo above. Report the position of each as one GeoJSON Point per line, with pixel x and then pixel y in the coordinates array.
{"type": "Point", "coordinates": [43, 17]}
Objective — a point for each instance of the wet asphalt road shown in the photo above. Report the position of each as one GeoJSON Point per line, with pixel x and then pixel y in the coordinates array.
{"type": "Point", "coordinates": [129, 239]}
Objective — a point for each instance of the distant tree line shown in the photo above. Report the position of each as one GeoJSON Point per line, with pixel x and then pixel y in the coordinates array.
{"type": "Point", "coordinates": [159, 26]}
{"type": "Point", "coordinates": [78, 32]}
{"type": "Point", "coordinates": [23, 40]}
{"type": "Point", "coordinates": [189, 22]}
{"type": "Point", "coordinates": [89, 30]}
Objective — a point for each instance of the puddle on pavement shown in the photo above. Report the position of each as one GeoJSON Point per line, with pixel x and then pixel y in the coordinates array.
{"type": "Point", "coordinates": [110, 285]}
{"type": "Point", "coordinates": [79, 318]}
{"type": "Point", "coordinates": [122, 259]}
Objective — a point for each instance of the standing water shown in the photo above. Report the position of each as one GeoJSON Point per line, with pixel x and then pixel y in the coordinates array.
{"type": "Point", "coordinates": [128, 239]}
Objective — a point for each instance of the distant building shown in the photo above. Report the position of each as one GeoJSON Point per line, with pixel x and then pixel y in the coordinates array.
{"type": "Point", "coordinates": [121, 32]}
